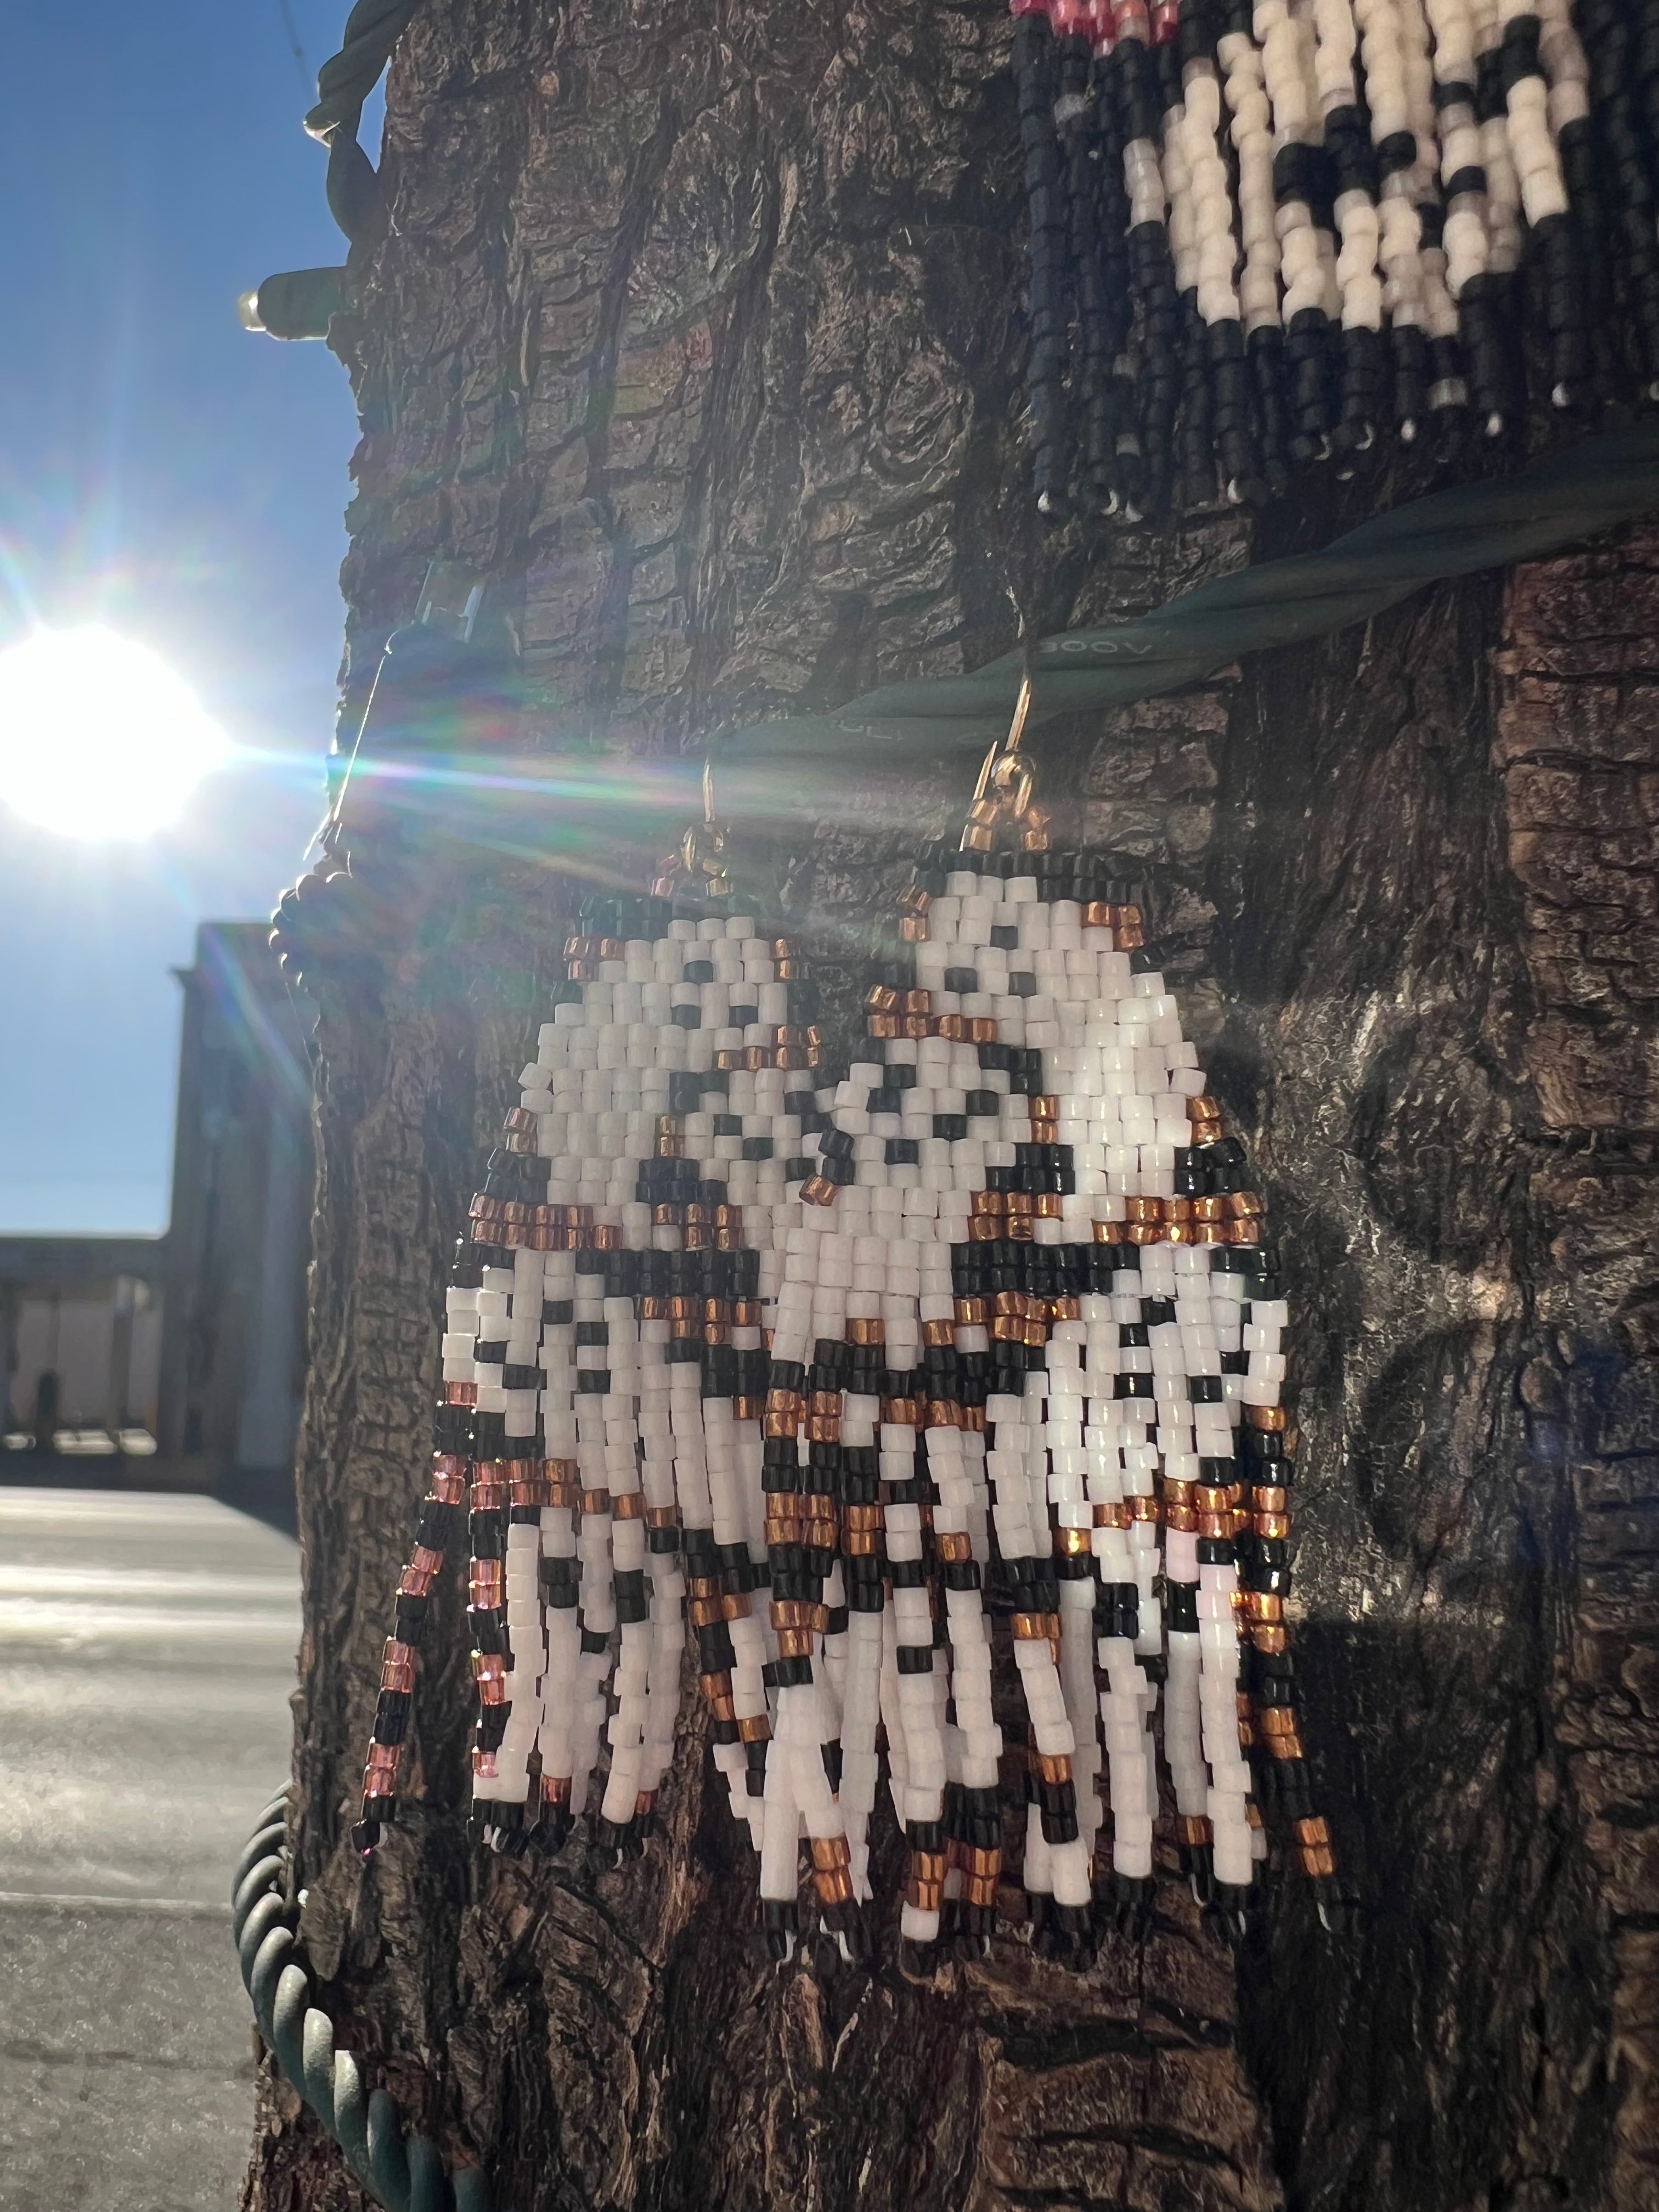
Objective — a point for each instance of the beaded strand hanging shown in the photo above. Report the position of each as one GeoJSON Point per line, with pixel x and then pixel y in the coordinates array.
{"type": "Point", "coordinates": [1294, 227]}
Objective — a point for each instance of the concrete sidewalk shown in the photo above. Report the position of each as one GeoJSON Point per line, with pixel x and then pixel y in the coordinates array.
{"type": "Point", "coordinates": [147, 1651]}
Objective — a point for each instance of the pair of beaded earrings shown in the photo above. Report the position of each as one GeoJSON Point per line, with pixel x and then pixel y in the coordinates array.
{"type": "Point", "coordinates": [1264, 232]}
{"type": "Point", "coordinates": [938, 1392]}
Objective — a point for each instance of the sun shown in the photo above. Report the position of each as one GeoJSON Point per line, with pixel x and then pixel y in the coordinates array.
{"type": "Point", "coordinates": [99, 737]}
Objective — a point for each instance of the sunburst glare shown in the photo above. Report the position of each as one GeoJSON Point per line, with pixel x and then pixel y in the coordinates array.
{"type": "Point", "coordinates": [99, 737]}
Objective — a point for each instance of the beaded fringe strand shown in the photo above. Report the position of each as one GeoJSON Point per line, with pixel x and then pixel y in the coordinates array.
{"type": "Point", "coordinates": [1264, 233]}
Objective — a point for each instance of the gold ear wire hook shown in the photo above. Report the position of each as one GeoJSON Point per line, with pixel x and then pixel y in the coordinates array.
{"type": "Point", "coordinates": [1007, 781]}
{"type": "Point", "coordinates": [701, 859]}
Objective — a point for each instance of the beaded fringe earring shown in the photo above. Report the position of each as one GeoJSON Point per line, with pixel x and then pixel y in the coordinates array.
{"type": "Point", "coordinates": [976, 1340]}
{"type": "Point", "coordinates": [1028, 1337]}
{"type": "Point", "coordinates": [1292, 225]}
{"type": "Point", "coordinates": [604, 1369]}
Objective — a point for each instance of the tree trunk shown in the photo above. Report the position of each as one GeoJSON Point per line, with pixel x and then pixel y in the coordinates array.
{"type": "Point", "coordinates": [694, 331]}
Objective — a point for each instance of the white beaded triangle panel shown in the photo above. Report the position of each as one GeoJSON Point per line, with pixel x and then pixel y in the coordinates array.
{"type": "Point", "coordinates": [969, 1356]}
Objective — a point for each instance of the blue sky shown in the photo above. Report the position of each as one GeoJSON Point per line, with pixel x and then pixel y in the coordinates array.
{"type": "Point", "coordinates": [164, 473]}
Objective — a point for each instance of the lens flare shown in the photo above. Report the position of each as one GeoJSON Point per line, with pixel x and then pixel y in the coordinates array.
{"type": "Point", "coordinates": [99, 737]}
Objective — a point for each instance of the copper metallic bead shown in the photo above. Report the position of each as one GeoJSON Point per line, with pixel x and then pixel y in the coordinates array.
{"type": "Point", "coordinates": [1053, 1765]}
{"type": "Point", "coordinates": [1029, 1627]}
{"type": "Point", "coordinates": [817, 1191]}
{"type": "Point", "coordinates": [1144, 1506]}
{"type": "Point", "coordinates": [1114, 1516]}
{"type": "Point", "coordinates": [1271, 1419]}
{"type": "Point", "coordinates": [1072, 1543]}
{"type": "Point", "coordinates": [596, 1501]}
{"type": "Point", "coordinates": [1108, 1232]}
{"type": "Point", "coordinates": [1194, 1830]}
{"type": "Point", "coordinates": [484, 1764]}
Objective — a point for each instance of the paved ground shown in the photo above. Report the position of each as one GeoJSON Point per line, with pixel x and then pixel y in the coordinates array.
{"type": "Point", "coordinates": [147, 1649]}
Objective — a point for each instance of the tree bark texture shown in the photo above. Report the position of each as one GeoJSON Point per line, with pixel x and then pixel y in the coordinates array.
{"type": "Point", "coordinates": [692, 327]}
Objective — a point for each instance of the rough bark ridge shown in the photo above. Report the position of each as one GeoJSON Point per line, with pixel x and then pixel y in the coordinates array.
{"type": "Point", "coordinates": [690, 329]}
